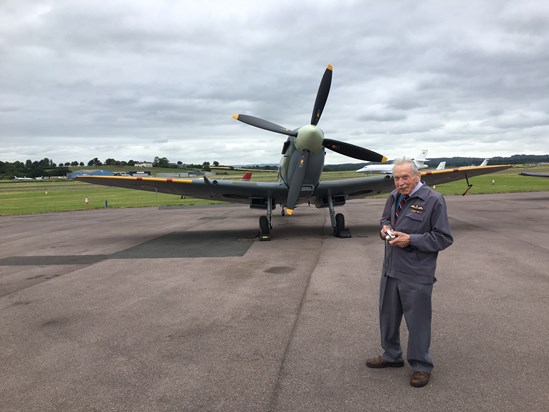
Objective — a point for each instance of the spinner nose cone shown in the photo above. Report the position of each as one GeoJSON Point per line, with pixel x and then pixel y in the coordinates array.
{"type": "Point", "coordinates": [309, 138]}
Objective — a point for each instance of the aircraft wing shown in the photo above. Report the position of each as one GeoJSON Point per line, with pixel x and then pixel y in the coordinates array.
{"type": "Point", "coordinates": [437, 177]}
{"type": "Point", "coordinates": [202, 188]}
{"type": "Point", "coordinates": [246, 191]}
{"type": "Point", "coordinates": [370, 186]}
{"type": "Point", "coordinates": [534, 174]}
{"type": "Point", "coordinates": [354, 188]}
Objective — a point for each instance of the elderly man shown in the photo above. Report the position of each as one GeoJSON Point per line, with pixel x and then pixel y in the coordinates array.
{"type": "Point", "coordinates": [415, 226]}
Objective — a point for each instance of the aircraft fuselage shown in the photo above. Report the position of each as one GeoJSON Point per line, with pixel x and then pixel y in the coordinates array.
{"type": "Point", "coordinates": [293, 151]}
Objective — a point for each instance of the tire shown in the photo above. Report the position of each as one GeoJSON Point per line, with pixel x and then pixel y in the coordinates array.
{"type": "Point", "coordinates": [263, 225]}
{"type": "Point", "coordinates": [340, 222]}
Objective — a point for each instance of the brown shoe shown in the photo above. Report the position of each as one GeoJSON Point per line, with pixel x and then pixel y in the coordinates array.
{"type": "Point", "coordinates": [419, 379]}
{"type": "Point", "coordinates": [378, 362]}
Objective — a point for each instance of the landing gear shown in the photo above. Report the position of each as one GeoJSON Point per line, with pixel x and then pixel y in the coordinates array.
{"type": "Point", "coordinates": [338, 221]}
{"type": "Point", "coordinates": [265, 225]}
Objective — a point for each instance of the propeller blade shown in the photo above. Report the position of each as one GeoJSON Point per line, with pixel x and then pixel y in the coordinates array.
{"type": "Point", "coordinates": [351, 150]}
{"type": "Point", "coordinates": [297, 181]}
{"type": "Point", "coordinates": [322, 95]}
{"type": "Point", "coordinates": [264, 124]}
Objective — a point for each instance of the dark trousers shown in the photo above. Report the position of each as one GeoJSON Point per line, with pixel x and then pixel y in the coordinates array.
{"type": "Point", "coordinates": [413, 300]}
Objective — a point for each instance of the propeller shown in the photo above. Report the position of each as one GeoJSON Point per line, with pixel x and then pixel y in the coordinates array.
{"type": "Point", "coordinates": [322, 95]}
{"type": "Point", "coordinates": [310, 139]}
{"type": "Point", "coordinates": [351, 150]}
{"type": "Point", "coordinates": [297, 181]}
{"type": "Point", "coordinates": [264, 124]}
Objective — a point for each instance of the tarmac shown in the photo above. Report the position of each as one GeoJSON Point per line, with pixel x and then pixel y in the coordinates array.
{"type": "Point", "coordinates": [184, 309]}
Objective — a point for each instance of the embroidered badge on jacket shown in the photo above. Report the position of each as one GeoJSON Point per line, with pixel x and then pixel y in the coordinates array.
{"type": "Point", "coordinates": [417, 208]}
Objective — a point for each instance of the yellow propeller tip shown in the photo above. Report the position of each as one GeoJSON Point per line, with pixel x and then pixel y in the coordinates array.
{"type": "Point", "coordinates": [384, 159]}
{"type": "Point", "coordinates": [330, 67]}
{"type": "Point", "coordinates": [235, 116]}
{"type": "Point", "coordinates": [289, 212]}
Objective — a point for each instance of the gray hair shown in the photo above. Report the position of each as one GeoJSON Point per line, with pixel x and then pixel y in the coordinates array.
{"type": "Point", "coordinates": [407, 162]}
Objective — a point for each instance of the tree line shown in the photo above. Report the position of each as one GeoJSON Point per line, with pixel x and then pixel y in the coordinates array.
{"type": "Point", "coordinates": [47, 168]}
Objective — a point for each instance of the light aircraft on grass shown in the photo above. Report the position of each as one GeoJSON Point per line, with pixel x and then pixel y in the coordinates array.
{"type": "Point", "coordinates": [299, 173]}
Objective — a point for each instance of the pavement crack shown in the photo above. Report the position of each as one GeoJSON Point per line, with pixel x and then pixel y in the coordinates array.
{"type": "Point", "coordinates": [280, 375]}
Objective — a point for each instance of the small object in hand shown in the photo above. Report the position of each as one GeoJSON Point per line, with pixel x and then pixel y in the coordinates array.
{"type": "Point", "coordinates": [389, 235]}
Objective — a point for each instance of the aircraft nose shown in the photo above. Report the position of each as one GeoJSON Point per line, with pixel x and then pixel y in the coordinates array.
{"type": "Point", "coordinates": [309, 138]}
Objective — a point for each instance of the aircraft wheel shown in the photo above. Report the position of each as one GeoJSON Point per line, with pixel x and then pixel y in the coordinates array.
{"type": "Point", "coordinates": [339, 229]}
{"type": "Point", "coordinates": [340, 222]}
{"type": "Point", "coordinates": [264, 231]}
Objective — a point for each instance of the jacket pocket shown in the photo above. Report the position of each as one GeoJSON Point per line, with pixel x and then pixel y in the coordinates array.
{"type": "Point", "coordinates": [417, 217]}
{"type": "Point", "coordinates": [411, 223]}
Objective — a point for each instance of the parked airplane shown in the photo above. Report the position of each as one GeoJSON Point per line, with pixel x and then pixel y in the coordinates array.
{"type": "Point", "coordinates": [299, 173]}
{"type": "Point", "coordinates": [420, 162]}
{"type": "Point", "coordinates": [22, 178]}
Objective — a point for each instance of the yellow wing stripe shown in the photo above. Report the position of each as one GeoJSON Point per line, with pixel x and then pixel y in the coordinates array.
{"type": "Point", "coordinates": [461, 169]}
{"type": "Point", "coordinates": [140, 179]}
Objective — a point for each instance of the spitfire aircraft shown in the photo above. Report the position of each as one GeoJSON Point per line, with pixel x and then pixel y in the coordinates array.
{"type": "Point", "coordinates": [299, 173]}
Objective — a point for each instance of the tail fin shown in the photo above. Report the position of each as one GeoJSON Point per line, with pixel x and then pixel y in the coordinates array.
{"type": "Point", "coordinates": [484, 163]}
{"type": "Point", "coordinates": [246, 177]}
{"type": "Point", "coordinates": [441, 166]}
{"type": "Point", "coordinates": [421, 159]}
{"type": "Point", "coordinates": [422, 156]}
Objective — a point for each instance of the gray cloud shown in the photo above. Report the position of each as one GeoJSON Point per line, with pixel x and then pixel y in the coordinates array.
{"type": "Point", "coordinates": [136, 79]}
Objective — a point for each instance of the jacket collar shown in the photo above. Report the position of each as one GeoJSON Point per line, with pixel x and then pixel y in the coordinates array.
{"type": "Point", "coordinates": [421, 192]}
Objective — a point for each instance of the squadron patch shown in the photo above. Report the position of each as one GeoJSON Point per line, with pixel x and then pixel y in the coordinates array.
{"type": "Point", "coordinates": [416, 208]}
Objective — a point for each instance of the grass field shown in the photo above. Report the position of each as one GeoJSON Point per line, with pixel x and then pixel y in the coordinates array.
{"type": "Point", "coordinates": [41, 196]}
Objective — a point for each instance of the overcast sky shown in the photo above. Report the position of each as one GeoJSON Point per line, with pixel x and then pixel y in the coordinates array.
{"type": "Point", "coordinates": [137, 79]}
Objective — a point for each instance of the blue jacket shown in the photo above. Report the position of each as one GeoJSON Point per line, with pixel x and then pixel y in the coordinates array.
{"type": "Point", "coordinates": [425, 218]}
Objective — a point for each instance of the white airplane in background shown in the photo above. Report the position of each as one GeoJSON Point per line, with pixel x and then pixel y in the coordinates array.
{"type": "Point", "coordinates": [441, 165]}
{"type": "Point", "coordinates": [387, 168]}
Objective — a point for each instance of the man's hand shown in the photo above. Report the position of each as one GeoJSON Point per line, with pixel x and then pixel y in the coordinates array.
{"type": "Point", "coordinates": [383, 231]}
{"type": "Point", "coordinates": [401, 240]}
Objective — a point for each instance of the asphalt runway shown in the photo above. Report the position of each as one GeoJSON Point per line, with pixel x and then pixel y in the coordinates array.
{"type": "Point", "coordinates": [184, 309]}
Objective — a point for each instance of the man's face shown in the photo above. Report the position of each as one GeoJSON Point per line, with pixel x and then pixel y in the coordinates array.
{"type": "Point", "coordinates": [405, 179]}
